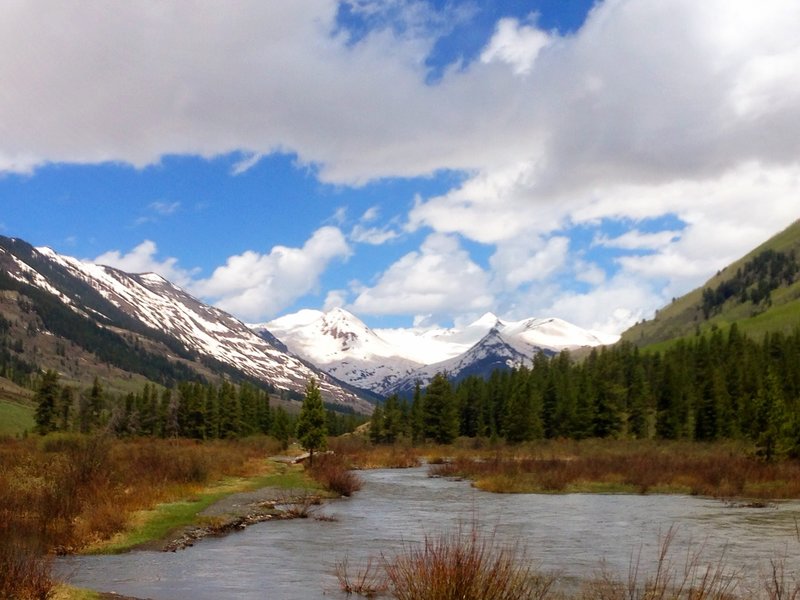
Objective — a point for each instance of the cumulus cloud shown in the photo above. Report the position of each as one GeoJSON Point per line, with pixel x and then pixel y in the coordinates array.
{"type": "Point", "coordinates": [515, 44]}
{"type": "Point", "coordinates": [143, 259]}
{"type": "Point", "coordinates": [528, 259]}
{"type": "Point", "coordinates": [365, 232]}
{"type": "Point", "coordinates": [256, 286]}
{"type": "Point", "coordinates": [439, 279]}
{"type": "Point", "coordinates": [610, 307]}
{"type": "Point", "coordinates": [651, 108]}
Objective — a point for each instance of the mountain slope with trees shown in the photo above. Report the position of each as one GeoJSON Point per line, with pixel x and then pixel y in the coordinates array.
{"type": "Point", "coordinates": [760, 292]}
{"type": "Point", "coordinates": [84, 321]}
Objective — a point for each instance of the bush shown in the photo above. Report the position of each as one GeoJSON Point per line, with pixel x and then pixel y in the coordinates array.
{"type": "Point", "coordinates": [332, 473]}
{"type": "Point", "coordinates": [24, 570]}
{"type": "Point", "coordinates": [465, 567]}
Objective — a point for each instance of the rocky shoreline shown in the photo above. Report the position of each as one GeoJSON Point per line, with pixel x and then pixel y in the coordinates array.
{"type": "Point", "coordinates": [240, 510]}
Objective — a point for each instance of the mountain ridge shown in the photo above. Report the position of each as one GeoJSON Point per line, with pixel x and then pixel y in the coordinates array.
{"type": "Point", "coordinates": [390, 361]}
{"type": "Point", "coordinates": [147, 313]}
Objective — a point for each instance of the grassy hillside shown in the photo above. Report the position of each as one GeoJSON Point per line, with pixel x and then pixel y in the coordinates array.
{"type": "Point", "coordinates": [686, 315]}
{"type": "Point", "coordinates": [16, 409]}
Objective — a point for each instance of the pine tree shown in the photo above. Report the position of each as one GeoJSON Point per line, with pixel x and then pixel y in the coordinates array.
{"type": "Point", "coordinates": [376, 434]}
{"type": "Point", "coordinates": [281, 427]}
{"type": "Point", "coordinates": [417, 415]}
{"type": "Point", "coordinates": [440, 413]}
{"type": "Point", "coordinates": [311, 430]}
{"type": "Point", "coordinates": [46, 399]}
{"type": "Point", "coordinates": [65, 402]}
{"type": "Point", "coordinates": [770, 414]}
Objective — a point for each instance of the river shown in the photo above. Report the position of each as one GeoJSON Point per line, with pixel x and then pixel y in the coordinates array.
{"type": "Point", "coordinates": [295, 560]}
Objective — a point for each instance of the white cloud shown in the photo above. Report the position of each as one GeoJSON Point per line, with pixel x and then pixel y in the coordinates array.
{"type": "Point", "coordinates": [589, 272]}
{"type": "Point", "coordinates": [636, 240]}
{"type": "Point", "coordinates": [439, 279]}
{"type": "Point", "coordinates": [610, 307]}
{"type": "Point", "coordinates": [527, 259]}
{"type": "Point", "coordinates": [143, 259]}
{"type": "Point", "coordinates": [651, 108]}
{"type": "Point", "coordinates": [515, 44]}
{"type": "Point", "coordinates": [256, 286]}
{"type": "Point", "coordinates": [335, 299]}
{"type": "Point", "coordinates": [247, 163]}
{"type": "Point", "coordinates": [373, 235]}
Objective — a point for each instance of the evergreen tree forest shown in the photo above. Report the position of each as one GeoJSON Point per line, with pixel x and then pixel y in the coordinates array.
{"type": "Point", "coordinates": [189, 410]}
{"type": "Point", "coordinates": [710, 387]}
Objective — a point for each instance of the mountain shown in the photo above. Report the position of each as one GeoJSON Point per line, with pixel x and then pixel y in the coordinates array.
{"type": "Point", "coordinates": [389, 361]}
{"type": "Point", "coordinates": [342, 345]}
{"type": "Point", "coordinates": [145, 325]}
{"type": "Point", "coordinates": [760, 292]}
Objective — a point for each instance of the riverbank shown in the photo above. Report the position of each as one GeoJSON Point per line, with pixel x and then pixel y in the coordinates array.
{"type": "Point", "coordinates": [277, 491]}
{"type": "Point", "coordinates": [729, 470]}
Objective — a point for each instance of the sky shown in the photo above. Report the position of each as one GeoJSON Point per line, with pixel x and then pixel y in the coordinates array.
{"type": "Point", "coordinates": [417, 162]}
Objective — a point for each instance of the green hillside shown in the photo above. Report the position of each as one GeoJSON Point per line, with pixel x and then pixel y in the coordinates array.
{"type": "Point", "coordinates": [16, 409]}
{"type": "Point", "coordinates": [760, 292]}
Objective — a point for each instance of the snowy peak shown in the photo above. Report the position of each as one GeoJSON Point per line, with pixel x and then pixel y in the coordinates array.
{"type": "Point", "coordinates": [157, 309]}
{"type": "Point", "coordinates": [553, 333]}
{"type": "Point", "coordinates": [494, 351]}
{"type": "Point", "coordinates": [488, 320]}
{"type": "Point", "coordinates": [391, 360]}
{"type": "Point", "coordinates": [341, 344]}
{"type": "Point", "coordinates": [327, 337]}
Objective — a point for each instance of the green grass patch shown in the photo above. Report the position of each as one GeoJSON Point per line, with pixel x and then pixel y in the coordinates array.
{"type": "Point", "coordinates": [15, 418]}
{"type": "Point", "coordinates": [67, 592]}
{"type": "Point", "coordinates": [158, 523]}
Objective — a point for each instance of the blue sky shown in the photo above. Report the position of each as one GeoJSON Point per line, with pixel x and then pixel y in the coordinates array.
{"type": "Point", "coordinates": [417, 162]}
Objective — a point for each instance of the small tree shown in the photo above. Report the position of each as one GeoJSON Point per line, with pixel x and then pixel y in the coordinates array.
{"type": "Point", "coordinates": [311, 425]}
{"type": "Point", "coordinates": [46, 398]}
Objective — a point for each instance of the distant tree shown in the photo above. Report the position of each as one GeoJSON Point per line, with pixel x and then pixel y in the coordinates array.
{"type": "Point", "coordinates": [281, 427]}
{"type": "Point", "coordinates": [440, 411]}
{"type": "Point", "coordinates": [376, 434]}
{"type": "Point", "coordinates": [47, 395]}
{"type": "Point", "coordinates": [417, 415]}
{"type": "Point", "coordinates": [311, 424]}
{"type": "Point", "coordinates": [65, 407]}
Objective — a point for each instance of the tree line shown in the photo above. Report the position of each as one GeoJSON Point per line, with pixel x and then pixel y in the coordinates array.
{"type": "Point", "coordinates": [753, 282]}
{"type": "Point", "coordinates": [721, 385]}
{"type": "Point", "coordinates": [189, 409]}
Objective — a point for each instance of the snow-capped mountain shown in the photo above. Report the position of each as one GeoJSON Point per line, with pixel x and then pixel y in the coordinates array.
{"type": "Point", "coordinates": [341, 344]}
{"type": "Point", "coordinates": [392, 360]}
{"type": "Point", "coordinates": [493, 351]}
{"type": "Point", "coordinates": [162, 311]}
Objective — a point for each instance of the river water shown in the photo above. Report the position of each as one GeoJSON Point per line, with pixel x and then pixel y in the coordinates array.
{"type": "Point", "coordinates": [295, 560]}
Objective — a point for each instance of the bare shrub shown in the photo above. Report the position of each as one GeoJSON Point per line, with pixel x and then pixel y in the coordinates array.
{"type": "Point", "coordinates": [691, 578]}
{"type": "Point", "coordinates": [465, 566]}
{"type": "Point", "coordinates": [298, 506]}
{"type": "Point", "coordinates": [24, 569]}
{"type": "Point", "coordinates": [368, 581]}
{"type": "Point", "coordinates": [332, 473]}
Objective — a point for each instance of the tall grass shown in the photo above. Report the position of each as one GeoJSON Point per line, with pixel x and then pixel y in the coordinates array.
{"type": "Point", "coordinates": [361, 454]}
{"type": "Point", "coordinates": [710, 470]}
{"type": "Point", "coordinates": [464, 566]}
{"type": "Point", "coordinates": [70, 490]}
{"type": "Point", "coordinates": [24, 569]}
{"type": "Point", "coordinates": [467, 565]}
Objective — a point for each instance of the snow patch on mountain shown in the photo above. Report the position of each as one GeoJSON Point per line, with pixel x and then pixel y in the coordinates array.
{"type": "Point", "coordinates": [201, 328]}
{"type": "Point", "coordinates": [390, 360]}
{"type": "Point", "coordinates": [341, 344]}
